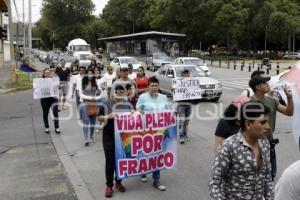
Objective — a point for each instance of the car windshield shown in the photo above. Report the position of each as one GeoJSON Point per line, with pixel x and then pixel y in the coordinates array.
{"type": "Point", "coordinates": [160, 57]}
{"type": "Point", "coordinates": [195, 71]}
{"type": "Point", "coordinates": [129, 60]}
{"type": "Point", "coordinates": [193, 61]}
{"type": "Point", "coordinates": [82, 48]}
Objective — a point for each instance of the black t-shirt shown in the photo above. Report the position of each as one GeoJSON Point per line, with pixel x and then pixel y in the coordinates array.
{"type": "Point", "coordinates": [108, 107]}
{"type": "Point", "coordinates": [226, 128]}
{"type": "Point", "coordinates": [63, 74]}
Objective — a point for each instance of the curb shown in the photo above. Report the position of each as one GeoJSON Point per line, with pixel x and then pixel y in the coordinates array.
{"type": "Point", "coordinates": [5, 91]}
{"type": "Point", "coordinates": [73, 174]}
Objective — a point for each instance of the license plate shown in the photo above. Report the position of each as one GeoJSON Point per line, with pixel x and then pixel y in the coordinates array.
{"type": "Point", "coordinates": [209, 92]}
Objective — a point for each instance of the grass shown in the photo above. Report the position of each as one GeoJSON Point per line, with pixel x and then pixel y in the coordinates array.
{"type": "Point", "coordinates": [23, 82]}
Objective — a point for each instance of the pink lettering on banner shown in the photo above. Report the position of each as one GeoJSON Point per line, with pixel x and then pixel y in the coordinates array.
{"type": "Point", "coordinates": [148, 144]}
{"type": "Point", "coordinates": [133, 167]}
{"type": "Point", "coordinates": [139, 123]}
{"type": "Point", "coordinates": [158, 139]}
{"type": "Point", "coordinates": [122, 167]}
{"type": "Point", "coordinates": [149, 121]}
{"type": "Point", "coordinates": [136, 145]}
{"type": "Point", "coordinates": [160, 120]}
{"type": "Point", "coordinates": [120, 122]}
{"type": "Point", "coordinates": [131, 122]}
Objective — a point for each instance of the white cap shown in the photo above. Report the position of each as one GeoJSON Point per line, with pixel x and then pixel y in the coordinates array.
{"type": "Point", "coordinates": [123, 66]}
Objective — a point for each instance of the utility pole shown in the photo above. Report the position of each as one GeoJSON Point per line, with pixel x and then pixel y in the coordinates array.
{"type": "Point", "coordinates": [29, 32]}
{"type": "Point", "coordinates": [24, 28]}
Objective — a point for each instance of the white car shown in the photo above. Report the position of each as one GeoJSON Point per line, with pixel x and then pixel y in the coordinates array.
{"type": "Point", "coordinates": [210, 88]}
{"type": "Point", "coordinates": [156, 60]}
{"type": "Point", "coordinates": [117, 61]}
{"type": "Point", "coordinates": [193, 61]}
{"type": "Point", "coordinates": [278, 92]}
{"type": "Point", "coordinates": [292, 55]}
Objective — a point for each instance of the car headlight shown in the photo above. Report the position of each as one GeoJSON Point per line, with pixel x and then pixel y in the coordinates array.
{"type": "Point", "coordinates": [219, 85]}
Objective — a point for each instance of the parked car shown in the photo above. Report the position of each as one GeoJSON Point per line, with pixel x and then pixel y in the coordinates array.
{"type": "Point", "coordinates": [117, 61]}
{"type": "Point", "coordinates": [193, 61]}
{"type": "Point", "coordinates": [156, 60]}
{"type": "Point", "coordinates": [211, 88]}
{"type": "Point", "coordinates": [295, 55]}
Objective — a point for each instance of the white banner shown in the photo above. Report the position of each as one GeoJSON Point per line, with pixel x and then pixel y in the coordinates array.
{"type": "Point", "coordinates": [186, 88]}
{"type": "Point", "coordinates": [45, 87]}
{"type": "Point", "coordinates": [292, 79]}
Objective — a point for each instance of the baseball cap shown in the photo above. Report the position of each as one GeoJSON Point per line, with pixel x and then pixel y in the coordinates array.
{"type": "Point", "coordinates": [123, 66]}
{"type": "Point", "coordinates": [256, 80]}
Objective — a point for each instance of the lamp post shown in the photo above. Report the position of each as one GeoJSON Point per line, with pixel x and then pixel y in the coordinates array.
{"type": "Point", "coordinates": [29, 32]}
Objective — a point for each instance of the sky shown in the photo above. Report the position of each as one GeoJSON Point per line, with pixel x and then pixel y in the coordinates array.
{"type": "Point", "coordinates": [37, 5]}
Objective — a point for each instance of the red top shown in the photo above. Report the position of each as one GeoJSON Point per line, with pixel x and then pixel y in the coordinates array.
{"type": "Point", "coordinates": [141, 83]}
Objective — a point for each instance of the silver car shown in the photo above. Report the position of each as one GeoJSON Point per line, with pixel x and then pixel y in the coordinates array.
{"type": "Point", "coordinates": [156, 60]}
{"type": "Point", "coordinates": [211, 88]}
{"type": "Point", "coordinates": [193, 61]}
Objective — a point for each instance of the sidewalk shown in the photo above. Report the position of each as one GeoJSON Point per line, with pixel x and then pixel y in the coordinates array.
{"type": "Point", "coordinates": [85, 167]}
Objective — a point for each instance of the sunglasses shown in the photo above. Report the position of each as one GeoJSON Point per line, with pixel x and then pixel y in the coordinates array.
{"type": "Point", "coordinates": [124, 70]}
{"type": "Point", "coordinates": [109, 69]}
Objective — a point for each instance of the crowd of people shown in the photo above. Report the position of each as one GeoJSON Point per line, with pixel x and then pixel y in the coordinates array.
{"type": "Point", "coordinates": [245, 157]}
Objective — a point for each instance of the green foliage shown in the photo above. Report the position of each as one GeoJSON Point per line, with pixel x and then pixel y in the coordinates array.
{"type": "Point", "coordinates": [234, 24]}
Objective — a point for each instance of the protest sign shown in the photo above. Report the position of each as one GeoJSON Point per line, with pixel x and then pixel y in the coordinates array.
{"type": "Point", "coordinates": [145, 143]}
{"type": "Point", "coordinates": [45, 87]}
{"type": "Point", "coordinates": [186, 88]}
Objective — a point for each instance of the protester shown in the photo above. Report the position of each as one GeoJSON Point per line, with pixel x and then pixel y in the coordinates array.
{"type": "Point", "coordinates": [93, 65]}
{"type": "Point", "coordinates": [47, 104]}
{"type": "Point", "coordinates": [64, 76]}
{"type": "Point", "coordinates": [249, 92]}
{"type": "Point", "coordinates": [77, 84]}
{"type": "Point", "coordinates": [89, 95]}
{"type": "Point", "coordinates": [153, 101]}
{"type": "Point", "coordinates": [107, 78]}
{"type": "Point", "coordinates": [183, 114]}
{"type": "Point", "coordinates": [75, 67]}
{"type": "Point", "coordinates": [132, 97]}
{"type": "Point", "coordinates": [288, 186]}
{"type": "Point", "coordinates": [230, 124]}
{"type": "Point", "coordinates": [141, 80]}
{"type": "Point", "coordinates": [97, 73]}
{"type": "Point", "coordinates": [131, 73]}
{"type": "Point", "coordinates": [242, 169]}
{"type": "Point", "coordinates": [260, 87]}
{"type": "Point", "coordinates": [107, 114]}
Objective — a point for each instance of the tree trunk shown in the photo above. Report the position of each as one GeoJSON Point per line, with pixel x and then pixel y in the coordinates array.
{"type": "Point", "coordinates": [289, 43]}
{"type": "Point", "coordinates": [266, 37]}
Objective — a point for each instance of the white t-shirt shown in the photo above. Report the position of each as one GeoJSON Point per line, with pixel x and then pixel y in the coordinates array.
{"type": "Point", "coordinates": [77, 79]}
{"type": "Point", "coordinates": [288, 186]}
{"type": "Point", "coordinates": [108, 78]}
{"type": "Point", "coordinates": [132, 76]}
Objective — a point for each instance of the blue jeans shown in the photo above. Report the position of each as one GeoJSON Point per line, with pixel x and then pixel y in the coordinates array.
{"type": "Point", "coordinates": [88, 122]}
{"type": "Point", "coordinates": [155, 176]}
{"type": "Point", "coordinates": [183, 115]}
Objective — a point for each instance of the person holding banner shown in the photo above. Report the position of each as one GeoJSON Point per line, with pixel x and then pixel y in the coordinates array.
{"type": "Point", "coordinates": [107, 114]}
{"type": "Point", "coordinates": [153, 101]}
{"type": "Point", "coordinates": [47, 104]}
{"type": "Point", "coordinates": [183, 114]}
{"type": "Point", "coordinates": [260, 86]}
{"type": "Point", "coordinates": [90, 96]}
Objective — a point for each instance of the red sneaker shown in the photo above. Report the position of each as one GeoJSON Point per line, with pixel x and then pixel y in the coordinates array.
{"type": "Point", "coordinates": [109, 191]}
{"type": "Point", "coordinates": [120, 187]}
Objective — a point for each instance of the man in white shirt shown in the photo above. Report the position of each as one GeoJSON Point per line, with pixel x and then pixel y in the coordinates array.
{"type": "Point", "coordinates": [107, 78]}
{"type": "Point", "coordinates": [77, 83]}
{"type": "Point", "coordinates": [131, 73]}
{"type": "Point", "coordinates": [288, 186]}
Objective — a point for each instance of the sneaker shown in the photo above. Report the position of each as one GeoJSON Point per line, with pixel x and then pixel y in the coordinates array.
{"type": "Point", "coordinates": [47, 131]}
{"type": "Point", "coordinates": [97, 130]}
{"type": "Point", "coordinates": [181, 141]}
{"type": "Point", "coordinates": [144, 179]}
{"type": "Point", "coordinates": [93, 140]}
{"type": "Point", "coordinates": [57, 131]}
{"type": "Point", "coordinates": [187, 138]}
{"type": "Point", "coordinates": [159, 186]}
{"type": "Point", "coordinates": [86, 142]}
{"type": "Point", "coordinates": [109, 192]}
{"type": "Point", "coordinates": [120, 187]}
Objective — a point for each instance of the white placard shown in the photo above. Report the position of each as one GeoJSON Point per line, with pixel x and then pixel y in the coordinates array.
{"type": "Point", "coordinates": [45, 87]}
{"type": "Point", "coordinates": [186, 88]}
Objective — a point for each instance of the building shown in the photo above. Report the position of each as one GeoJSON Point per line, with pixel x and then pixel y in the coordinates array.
{"type": "Point", "coordinates": [144, 43]}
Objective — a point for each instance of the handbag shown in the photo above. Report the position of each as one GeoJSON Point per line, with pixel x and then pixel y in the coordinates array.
{"type": "Point", "coordinates": [92, 107]}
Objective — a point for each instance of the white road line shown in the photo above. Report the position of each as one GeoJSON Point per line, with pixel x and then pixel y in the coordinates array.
{"type": "Point", "coordinates": [228, 88]}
